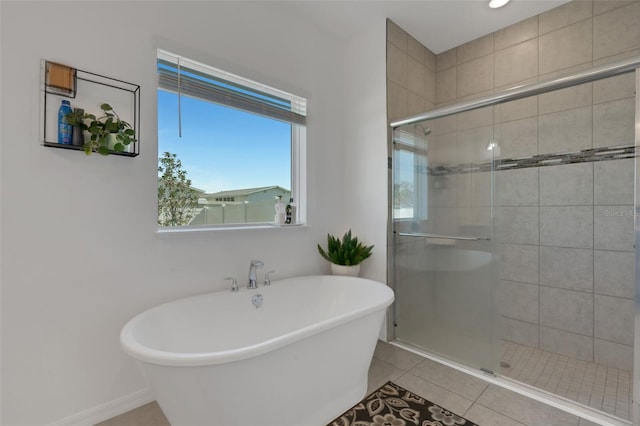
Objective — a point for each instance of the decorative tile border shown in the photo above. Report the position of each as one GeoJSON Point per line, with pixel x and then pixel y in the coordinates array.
{"type": "Point", "coordinates": [543, 160]}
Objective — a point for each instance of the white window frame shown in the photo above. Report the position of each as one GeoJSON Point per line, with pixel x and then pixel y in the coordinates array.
{"type": "Point", "coordinates": [298, 145]}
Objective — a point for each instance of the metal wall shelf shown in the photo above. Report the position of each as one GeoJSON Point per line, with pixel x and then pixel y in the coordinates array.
{"type": "Point", "coordinates": [80, 148]}
{"type": "Point", "coordinates": [89, 90]}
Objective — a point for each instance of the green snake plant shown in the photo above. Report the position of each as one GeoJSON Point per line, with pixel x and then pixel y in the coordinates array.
{"type": "Point", "coordinates": [347, 252]}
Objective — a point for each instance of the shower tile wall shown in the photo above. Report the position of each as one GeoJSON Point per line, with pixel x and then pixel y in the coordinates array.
{"type": "Point", "coordinates": [411, 80]}
{"type": "Point", "coordinates": [566, 230]}
{"type": "Point", "coordinates": [567, 269]}
{"type": "Point", "coordinates": [411, 77]}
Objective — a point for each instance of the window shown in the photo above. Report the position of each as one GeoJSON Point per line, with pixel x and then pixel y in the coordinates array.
{"type": "Point", "coordinates": [228, 147]}
{"type": "Point", "coordinates": [411, 177]}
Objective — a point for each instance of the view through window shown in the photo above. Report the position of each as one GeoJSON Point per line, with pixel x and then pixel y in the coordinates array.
{"type": "Point", "coordinates": [227, 146]}
{"type": "Point", "coordinates": [411, 184]}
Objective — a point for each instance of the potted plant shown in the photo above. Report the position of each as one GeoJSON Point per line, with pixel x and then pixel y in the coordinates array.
{"type": "Point", "coordinates": [108, 132]}
{"type": "Point", "coordinates": [345, 255]}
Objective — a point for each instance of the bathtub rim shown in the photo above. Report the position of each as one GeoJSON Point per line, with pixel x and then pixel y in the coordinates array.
{"type": "Point", "coordinates": [142, 353]}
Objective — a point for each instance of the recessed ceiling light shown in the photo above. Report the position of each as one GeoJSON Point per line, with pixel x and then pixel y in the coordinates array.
{"type": "Point", "coordinates": [494, 4]}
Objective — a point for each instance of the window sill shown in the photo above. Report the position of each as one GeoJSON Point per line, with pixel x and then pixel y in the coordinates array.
{"type": "Point", "coordinates": [166, 232]}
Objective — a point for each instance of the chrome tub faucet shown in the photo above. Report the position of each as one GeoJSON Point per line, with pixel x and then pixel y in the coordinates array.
{"type": "Point", "coordinates": [253, 279]}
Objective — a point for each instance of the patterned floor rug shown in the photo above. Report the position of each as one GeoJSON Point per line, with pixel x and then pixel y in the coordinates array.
{"type": "Point", "coordinates": [391, 405]}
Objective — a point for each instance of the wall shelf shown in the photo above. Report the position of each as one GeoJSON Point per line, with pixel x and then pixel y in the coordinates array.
{"type": "Point", "coordinates": [88, 91]}
{"type": "Point", "coordinates": [80, 148]}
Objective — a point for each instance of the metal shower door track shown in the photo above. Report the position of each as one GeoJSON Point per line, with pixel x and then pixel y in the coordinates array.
{"type": "Point", "coordinates": [519, 92]}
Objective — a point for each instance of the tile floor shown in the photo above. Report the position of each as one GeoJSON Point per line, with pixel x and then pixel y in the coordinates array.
{"type": "Point", "coordinates": [475, 399]}
{"type": "Point", "coordinates": [603, 388]}
{"type": "Point", "coordinates": [483, 403]}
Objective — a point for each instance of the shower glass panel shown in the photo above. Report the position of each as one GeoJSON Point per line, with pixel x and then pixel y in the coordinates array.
{"type": "Point", "coordinates": [444, 262]}
{"type": "Point", "coordinates": [513, 231]}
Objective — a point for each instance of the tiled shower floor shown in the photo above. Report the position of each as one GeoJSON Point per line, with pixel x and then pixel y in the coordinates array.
{"type": "Point", "coordinates": [603, 388]}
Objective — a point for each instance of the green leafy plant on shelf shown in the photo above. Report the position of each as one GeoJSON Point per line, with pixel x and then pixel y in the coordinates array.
{"type": "Point", "coordinates": [348, 251]}
{"type": "Point", "coordinates": [108, 132]}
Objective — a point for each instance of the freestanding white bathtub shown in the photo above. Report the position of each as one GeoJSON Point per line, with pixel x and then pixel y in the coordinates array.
{"type": "Point", "coordinates": [300, 359]}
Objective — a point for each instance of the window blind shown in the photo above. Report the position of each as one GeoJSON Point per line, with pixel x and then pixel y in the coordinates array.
{"type": "Point", "coordinates": [187, 77]}
{"type": "Point", "coordinates": [407, 141]}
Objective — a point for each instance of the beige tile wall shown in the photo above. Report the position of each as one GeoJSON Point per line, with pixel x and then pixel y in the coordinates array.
{"type": "Point", "coordinates": [567, 254]}
{"type": "Point", "coordinates": [411, 89]}
{"type": "Point", "coordinates": [411, 76]}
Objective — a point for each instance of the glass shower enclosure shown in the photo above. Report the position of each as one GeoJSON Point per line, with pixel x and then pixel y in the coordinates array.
{"type": "Point", "coordinates": [513, 243]}
{"type": "Point", "coordinates": [445, 263]}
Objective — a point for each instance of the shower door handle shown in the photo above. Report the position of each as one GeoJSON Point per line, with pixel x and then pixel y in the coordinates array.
{"type": "Point", "coordinates": [442, 236]}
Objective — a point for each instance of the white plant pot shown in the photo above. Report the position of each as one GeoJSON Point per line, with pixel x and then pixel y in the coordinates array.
{"type": "Point", "coordinates": [351, 271]}
{"type": "Point", "coordinates": [111, 140]}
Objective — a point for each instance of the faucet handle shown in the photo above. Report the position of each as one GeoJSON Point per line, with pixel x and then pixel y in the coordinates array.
{"type": "Point", "coordinates": [257, 263]}
{"type": "Point", "coordinates": [234, 284]}
{"type": "Point", "coordinates": [267, 278]}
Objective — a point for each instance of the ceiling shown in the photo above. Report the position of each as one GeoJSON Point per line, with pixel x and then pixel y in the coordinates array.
{"type": "Point", "coordinates": [438, 24]}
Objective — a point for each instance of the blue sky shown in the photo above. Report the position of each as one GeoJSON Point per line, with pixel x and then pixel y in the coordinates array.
{"type": "Point", "coordinates": [223, 148]}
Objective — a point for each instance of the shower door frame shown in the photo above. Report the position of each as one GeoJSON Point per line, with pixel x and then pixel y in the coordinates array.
{"type": "Point", "coordinates": [596, 73]}
{"type": "Point", "coordinates": [635, 404]}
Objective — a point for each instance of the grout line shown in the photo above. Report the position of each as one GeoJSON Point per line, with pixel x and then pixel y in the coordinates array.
{"type": "Point", "coordinates": [439, 385]}
{"type": "Point", "coordinates": [593, 227]}
{"type": "Point", "coordinates": [518, 422]}
{"type": "Point", "coordinates": [475, 401]}
{"type": "Point", "coordinates": [450, 371]}
{"type": "Point", "coordinates": [539, 343]}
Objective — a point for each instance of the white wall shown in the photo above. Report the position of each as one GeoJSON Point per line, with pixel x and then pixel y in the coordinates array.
{"type": "Point", "coordinates": [79, 251]}
{"type": "Point", "coordinates": [365, 150]}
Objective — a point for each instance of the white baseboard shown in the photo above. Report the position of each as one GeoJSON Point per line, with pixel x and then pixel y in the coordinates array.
{"type": "Point", "coordinates": [107, 410]}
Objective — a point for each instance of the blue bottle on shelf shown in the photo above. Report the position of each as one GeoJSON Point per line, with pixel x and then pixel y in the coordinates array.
{"type": "Point", "coordinates": [65, 130]}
